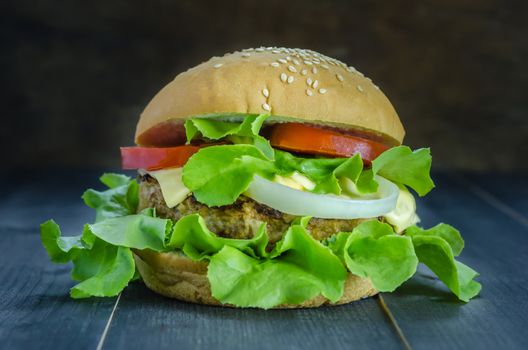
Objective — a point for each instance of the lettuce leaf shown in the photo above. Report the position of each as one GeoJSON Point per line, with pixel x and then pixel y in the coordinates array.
{"type": "Point", "coordinates": [192, 236]}
{"type": "Point", "coordinates": [437, 248]}
{"type": "Point", "coordinates": [450, 234]}
{"type": "Point", "coordinates": [138, 231]}
{"type": "Point", "coordinates": [324, 172]}
{"type": "Point", "coordinates": [217, 175]}
{"type": "Point", "coordinates": [102, 268]}
{"type": "Point", "coordinates": [106, 270]}
{"type": "Point", "coordinates": [120, 199]}
{"type": "Point", "coordinates": [373, 250]}
{"type": "Point", "coordinates": [246, 132]}
{"type": "Point", "coordinates": [403, 166]}
{"type": "Point", "coordinates": [299, 269]}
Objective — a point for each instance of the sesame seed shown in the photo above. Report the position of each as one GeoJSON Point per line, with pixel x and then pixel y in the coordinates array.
{"type": "Point", "coordinates": [274, 64]}
{"type": "Point", "coordinates": [308, 62]}
{"type": "Point", "coordinates": [275, 51]}
{"type": "Point", "coordinates": [218, 65]}
{"type": "Point", "coordinates": [314, 70]}
{"type": "Point", "coordinates": [322, 91]}
{"type": "Point", "coordinates": [292, 69]}
{"type": "Point", "coordinates": [376, 87]}
{"type": "Point", "coordinates": [290, 79]}
{"type": "Point", "coordinates": [260, 49]}
{"type": "Point", "coordinates": [315, 84]}
{"type": "Point", "coordinates": [288, 58]}
{"type": "Point", "coordinates": [360, 88]}
{"type": "Point", "coordinates": [266, 107]}
{"type": "Point", "coordinates": [282, 60]}
{"type": "Point", "coordinates": [309, 92]}
{"type": "Point", "coordinates": [309, 81]}
{"type": "Point", "coordinates": [245, 54]}
{"type": "Point", "coordinates": [304, 72]}
{"type": "Point", "coordinates": [265, 92]}
{"type": "Point", "coordinates": [283, 77]}
{"type": "Point", "coordinates": [296, 62]}
{"type": "Point", "coordinates": [339, 77]}
{"type": "Point", "coordinates": [324, 66]}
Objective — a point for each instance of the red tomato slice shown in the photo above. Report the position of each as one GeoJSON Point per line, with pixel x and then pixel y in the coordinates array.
{"type": "Point", "coordinates": [310, 139]}
{"type": "Point", "coordinates": [154, 158]}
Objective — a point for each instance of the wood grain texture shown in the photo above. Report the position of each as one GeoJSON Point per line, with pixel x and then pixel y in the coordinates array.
{"type": "Point", "coordinates": [497, 247]}
{"type": "Point", "coordinates": [35, 308]}
{"type": "Point", "coordinates": [159, 322]}
{"type": "Point", "coordinates": [507, 190]}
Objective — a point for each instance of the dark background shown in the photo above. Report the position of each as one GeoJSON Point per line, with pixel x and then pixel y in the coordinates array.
{"type": "Point", "coordinates": [76, 74]}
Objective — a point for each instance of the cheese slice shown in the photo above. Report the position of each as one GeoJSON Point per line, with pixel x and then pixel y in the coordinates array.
{"type": "Point", "coordinates": [171, 184]}
{"type": "Point", "coordinates": [404, 215]}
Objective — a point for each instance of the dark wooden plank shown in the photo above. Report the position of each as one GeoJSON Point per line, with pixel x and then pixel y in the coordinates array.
{"type": "Point", "coordinates": [510, 190]}
{"type": "Point", "coordinates": [158, 322]}
{"type": "Point", "coordinates": [29, 198]}
{"type": "Point", "coordinates": [497, 247]}
{"type": "Point", "coordinates": [35, 308]}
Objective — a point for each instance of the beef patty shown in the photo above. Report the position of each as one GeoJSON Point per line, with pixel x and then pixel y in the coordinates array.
{"type": "Point", "coordinates": [239, 220]}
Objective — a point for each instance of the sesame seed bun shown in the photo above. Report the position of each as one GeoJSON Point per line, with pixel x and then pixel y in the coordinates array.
{"type": "Point", "coordinates": [285, 83]}
{"type": "Point", "coordinates": [176, 276]}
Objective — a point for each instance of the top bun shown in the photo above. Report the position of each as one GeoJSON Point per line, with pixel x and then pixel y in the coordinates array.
{"type": "Point", "coordinates": [285, 83]}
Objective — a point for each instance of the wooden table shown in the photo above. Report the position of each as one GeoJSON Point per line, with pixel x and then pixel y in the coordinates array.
{"type": "Point", "coordinates": [36, 311]}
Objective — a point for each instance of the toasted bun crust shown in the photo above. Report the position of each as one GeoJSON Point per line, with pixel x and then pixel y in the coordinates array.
{"type": "Point", "coordinates": [294, 83]}
{"type": "Point", "coordinates": [176, 276]}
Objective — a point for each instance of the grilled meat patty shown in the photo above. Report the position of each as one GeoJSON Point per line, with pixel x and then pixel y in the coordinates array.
{"type": "Point", "coordinates": [239, 220]}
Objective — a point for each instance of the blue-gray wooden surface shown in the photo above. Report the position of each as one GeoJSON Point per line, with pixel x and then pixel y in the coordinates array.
{"type": "Point", "coordinates": [36, 312]}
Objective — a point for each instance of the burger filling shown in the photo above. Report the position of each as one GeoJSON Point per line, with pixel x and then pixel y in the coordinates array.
{"type": "Point", "coordinates": [240, 220]}
{"type": "Point", "coordinates": [281, 210]}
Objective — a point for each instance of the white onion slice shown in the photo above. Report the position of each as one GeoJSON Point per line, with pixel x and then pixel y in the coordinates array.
{"type": "Point", "coordinates": [299, 203]}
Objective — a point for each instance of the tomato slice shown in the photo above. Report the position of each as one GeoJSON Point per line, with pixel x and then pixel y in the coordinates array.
{"type": "Point", "coordinates": [154, 158]}
{"type": "Point", "coordinates": [310, 139]}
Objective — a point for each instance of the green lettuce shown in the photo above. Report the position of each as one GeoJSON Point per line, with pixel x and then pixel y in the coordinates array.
{"type": "Point", "coordinates": [373, 250]}
{"type": "Point", "coordinates": [102, 268]}
{"type": "Point", "coordinates": [403, 166]}
{"type": "Point", "coordinates": [192, 236]}
{"type": "Point", "coordinates": [437, 248]}
{"type": "Point", "coordinates": [245, 132]}
{"type": "Point", "coordinates": [120, 199]}
{"type": "Point", "coordinates": [298, 269]}
{"type": "Point", "coordinates": [217, 175]}
{"type": "Point", "coordinates": [324, 172]}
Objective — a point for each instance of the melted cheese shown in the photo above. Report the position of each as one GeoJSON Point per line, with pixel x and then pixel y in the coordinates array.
{"type": "Point", "coordinates": [171, 184]}
{"type": "Point", "coordinates": [404, 215]}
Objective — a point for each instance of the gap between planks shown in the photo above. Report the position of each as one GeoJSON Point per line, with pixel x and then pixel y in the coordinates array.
{"type": "Point", "coordinates": [489, 198]}
{"type": "Point", "coordinates": [385, 308]}
{"type": "Point", "coordinates": [107, 326]}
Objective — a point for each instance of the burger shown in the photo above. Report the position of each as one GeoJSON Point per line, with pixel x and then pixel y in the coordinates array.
{"type": "Point", "coordinates": [268, 178]}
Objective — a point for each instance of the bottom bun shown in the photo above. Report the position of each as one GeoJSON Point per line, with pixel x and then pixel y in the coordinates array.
{"type": "Point", "coordinates": [176, 276]}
